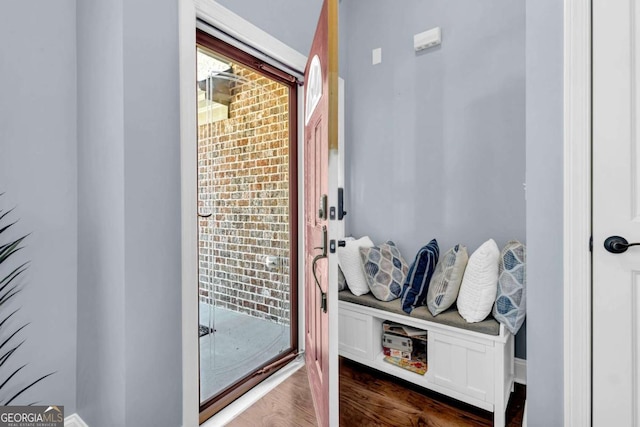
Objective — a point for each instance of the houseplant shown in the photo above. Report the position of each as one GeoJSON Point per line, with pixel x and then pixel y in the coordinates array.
{"type": "Point", "coordinates": [11, 271]}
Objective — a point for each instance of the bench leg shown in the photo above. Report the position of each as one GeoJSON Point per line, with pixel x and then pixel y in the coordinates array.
{"type": "Point", "coordinates": [503, 377]}
{"type": "Point", "coordinates": [499, 414]}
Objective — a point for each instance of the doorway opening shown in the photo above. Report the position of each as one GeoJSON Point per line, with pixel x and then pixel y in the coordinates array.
{"type": "Point", "coordinates": [247, 221]}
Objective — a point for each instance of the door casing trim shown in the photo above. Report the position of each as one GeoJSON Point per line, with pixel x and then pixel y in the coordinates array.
{"type": "Point", "coordinates": [220, 17]}
{"type": "Point", "coordinates": [577, 192]}
{"type": "Point", "coordinates": [577, 213]}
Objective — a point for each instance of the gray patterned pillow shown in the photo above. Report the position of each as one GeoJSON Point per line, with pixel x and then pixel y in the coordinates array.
{"type": "Point", "coordinates": [510, 307]}
{"type": "Point", "coordinates": [385, 270]}
{"type": "Point", "coordinates": [446, 280]}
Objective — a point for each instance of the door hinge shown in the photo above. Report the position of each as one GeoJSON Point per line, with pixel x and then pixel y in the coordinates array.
{"type": "Point", "coordinates": [591, 244]}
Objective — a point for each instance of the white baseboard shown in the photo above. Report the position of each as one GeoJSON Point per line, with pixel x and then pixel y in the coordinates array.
{"type": "Point", "coordinates": [520, 367]}
{"type": "Point", "coordinates": [74, 420]}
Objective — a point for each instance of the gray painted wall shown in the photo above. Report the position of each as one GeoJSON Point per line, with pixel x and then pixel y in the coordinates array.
{"type": "Point", "coordinates": [129, 358]}
{"type": "Point", "coordinates": [38, 173]}
{"type": "Point", "coordinates": [101, 262]}
{"type": "Point", "coordinates": [292, 22]}
{"type": "Point", "coordinates": [544, 212]}
{"type": "Point", "coordinates": [152, 214]}
{"type": "Point", "coordinates": [115, 130]}
{"type": "Point", "coordinates": [436, 139]}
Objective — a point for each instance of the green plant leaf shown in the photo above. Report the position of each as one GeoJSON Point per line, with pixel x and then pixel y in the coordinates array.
{"type": "Point", "coordinates": [6, 227]}
{"type": "Point", "coordinates": [27, 388]}
{"type": "Point", "coordinates": [12, 292]}
{"type": "Point", "coordinates": [9, 249]}
{"type": "Point", "coordinates": [13, 335]}
{"type": "Point", "coordinates": [8, 317]}
{"type": "Point", "coordinates": [13, 275]}
{"type": "Point", "coordinates": [6, 213]}
{"type": "Point", "coordinates": [7, 355]}
{"type": "Point", "coordinates": [11, 376]}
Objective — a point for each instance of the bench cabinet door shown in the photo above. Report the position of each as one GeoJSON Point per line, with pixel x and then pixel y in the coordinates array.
{"type": "Point", "coordinates": [461, 365]}
{"type": "Point", "coordinates": [355, 336]}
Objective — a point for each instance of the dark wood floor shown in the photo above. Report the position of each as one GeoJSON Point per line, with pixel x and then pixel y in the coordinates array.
{"type": "Point", "coordinates": [370, 398]}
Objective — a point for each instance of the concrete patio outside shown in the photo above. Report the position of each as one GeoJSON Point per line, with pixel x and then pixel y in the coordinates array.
{"type": "Point", "coordinates": [239, 345]}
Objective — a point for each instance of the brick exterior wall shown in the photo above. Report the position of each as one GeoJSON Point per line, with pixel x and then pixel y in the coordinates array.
{"type": "Point", "coordinates": [243, 180]}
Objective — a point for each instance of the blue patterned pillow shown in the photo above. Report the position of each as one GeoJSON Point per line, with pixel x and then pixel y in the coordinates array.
{"type": "Point", "coordinates": [417, 284]}
{"type": "Point", "coordinates": [385, 270]}
{"type": "Point", "coordinates": [510, 307]}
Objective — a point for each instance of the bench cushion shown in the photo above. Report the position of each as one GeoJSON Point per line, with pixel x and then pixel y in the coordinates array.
{"type": "Point", "coordinates": [489, 326]}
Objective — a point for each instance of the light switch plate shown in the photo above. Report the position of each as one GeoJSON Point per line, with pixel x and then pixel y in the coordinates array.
{"type": "Point", "coordinates": [376, 56]}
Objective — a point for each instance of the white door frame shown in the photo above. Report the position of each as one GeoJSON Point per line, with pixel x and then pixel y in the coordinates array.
{"type": "Point", "coordinates": [577, 192]}
{"type": "Point", "coordinates": [577, 213]}
{"type": "Point", "coordinates": [223, 19]}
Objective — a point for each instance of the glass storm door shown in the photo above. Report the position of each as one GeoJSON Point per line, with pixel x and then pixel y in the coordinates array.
{"type": "Point", "coordinates": [247, 221]}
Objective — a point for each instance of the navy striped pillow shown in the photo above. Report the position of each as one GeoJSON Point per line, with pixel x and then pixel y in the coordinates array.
{"type": "Point", "coordinates": [415, 288]}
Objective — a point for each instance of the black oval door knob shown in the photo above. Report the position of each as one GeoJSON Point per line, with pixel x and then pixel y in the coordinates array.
{"type": "Point", "coordinates": [617, 244]}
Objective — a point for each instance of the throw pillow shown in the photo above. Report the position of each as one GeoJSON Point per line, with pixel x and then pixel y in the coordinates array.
{"type": "Point", "coordinates": [445, 284]}
{"type": "Point", "coordinates": [510, 306]}
{"type": "Point", "coordinates": [479, 284]}
{"type": "Point", "coordinates": [342, 282]}
{"type": "Point", "coordinates": [351, 265]}
{"type": "Point", "coordinates": [416, 286]}
{"type": "Point", "coordinates": [385, 270]}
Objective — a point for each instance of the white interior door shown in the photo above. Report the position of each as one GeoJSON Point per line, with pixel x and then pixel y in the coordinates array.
{"type": "Point", "coordinates": [616, 212]}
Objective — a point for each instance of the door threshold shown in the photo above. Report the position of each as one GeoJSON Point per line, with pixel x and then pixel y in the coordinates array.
{"type": "Point", "coordinates": [256, 393]}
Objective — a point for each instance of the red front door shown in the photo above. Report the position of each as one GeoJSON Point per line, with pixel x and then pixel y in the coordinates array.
{"type": "Point", "coordinates": [321, 145]}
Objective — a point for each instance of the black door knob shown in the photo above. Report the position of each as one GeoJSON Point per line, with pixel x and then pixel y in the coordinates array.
{"type": "Point", "coordinates": [617, 244]}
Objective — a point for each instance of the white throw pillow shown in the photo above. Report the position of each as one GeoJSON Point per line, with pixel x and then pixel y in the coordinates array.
{"type": "Point", "coordinates": [351, 265]}
{"type": "Point", "coordinates": [342, 281]}
{"type": "Point", "coordinates": [480, 283]}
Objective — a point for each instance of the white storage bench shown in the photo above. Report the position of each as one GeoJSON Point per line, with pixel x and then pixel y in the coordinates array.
{"type": "Point", "coordinates": [471, 362]}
